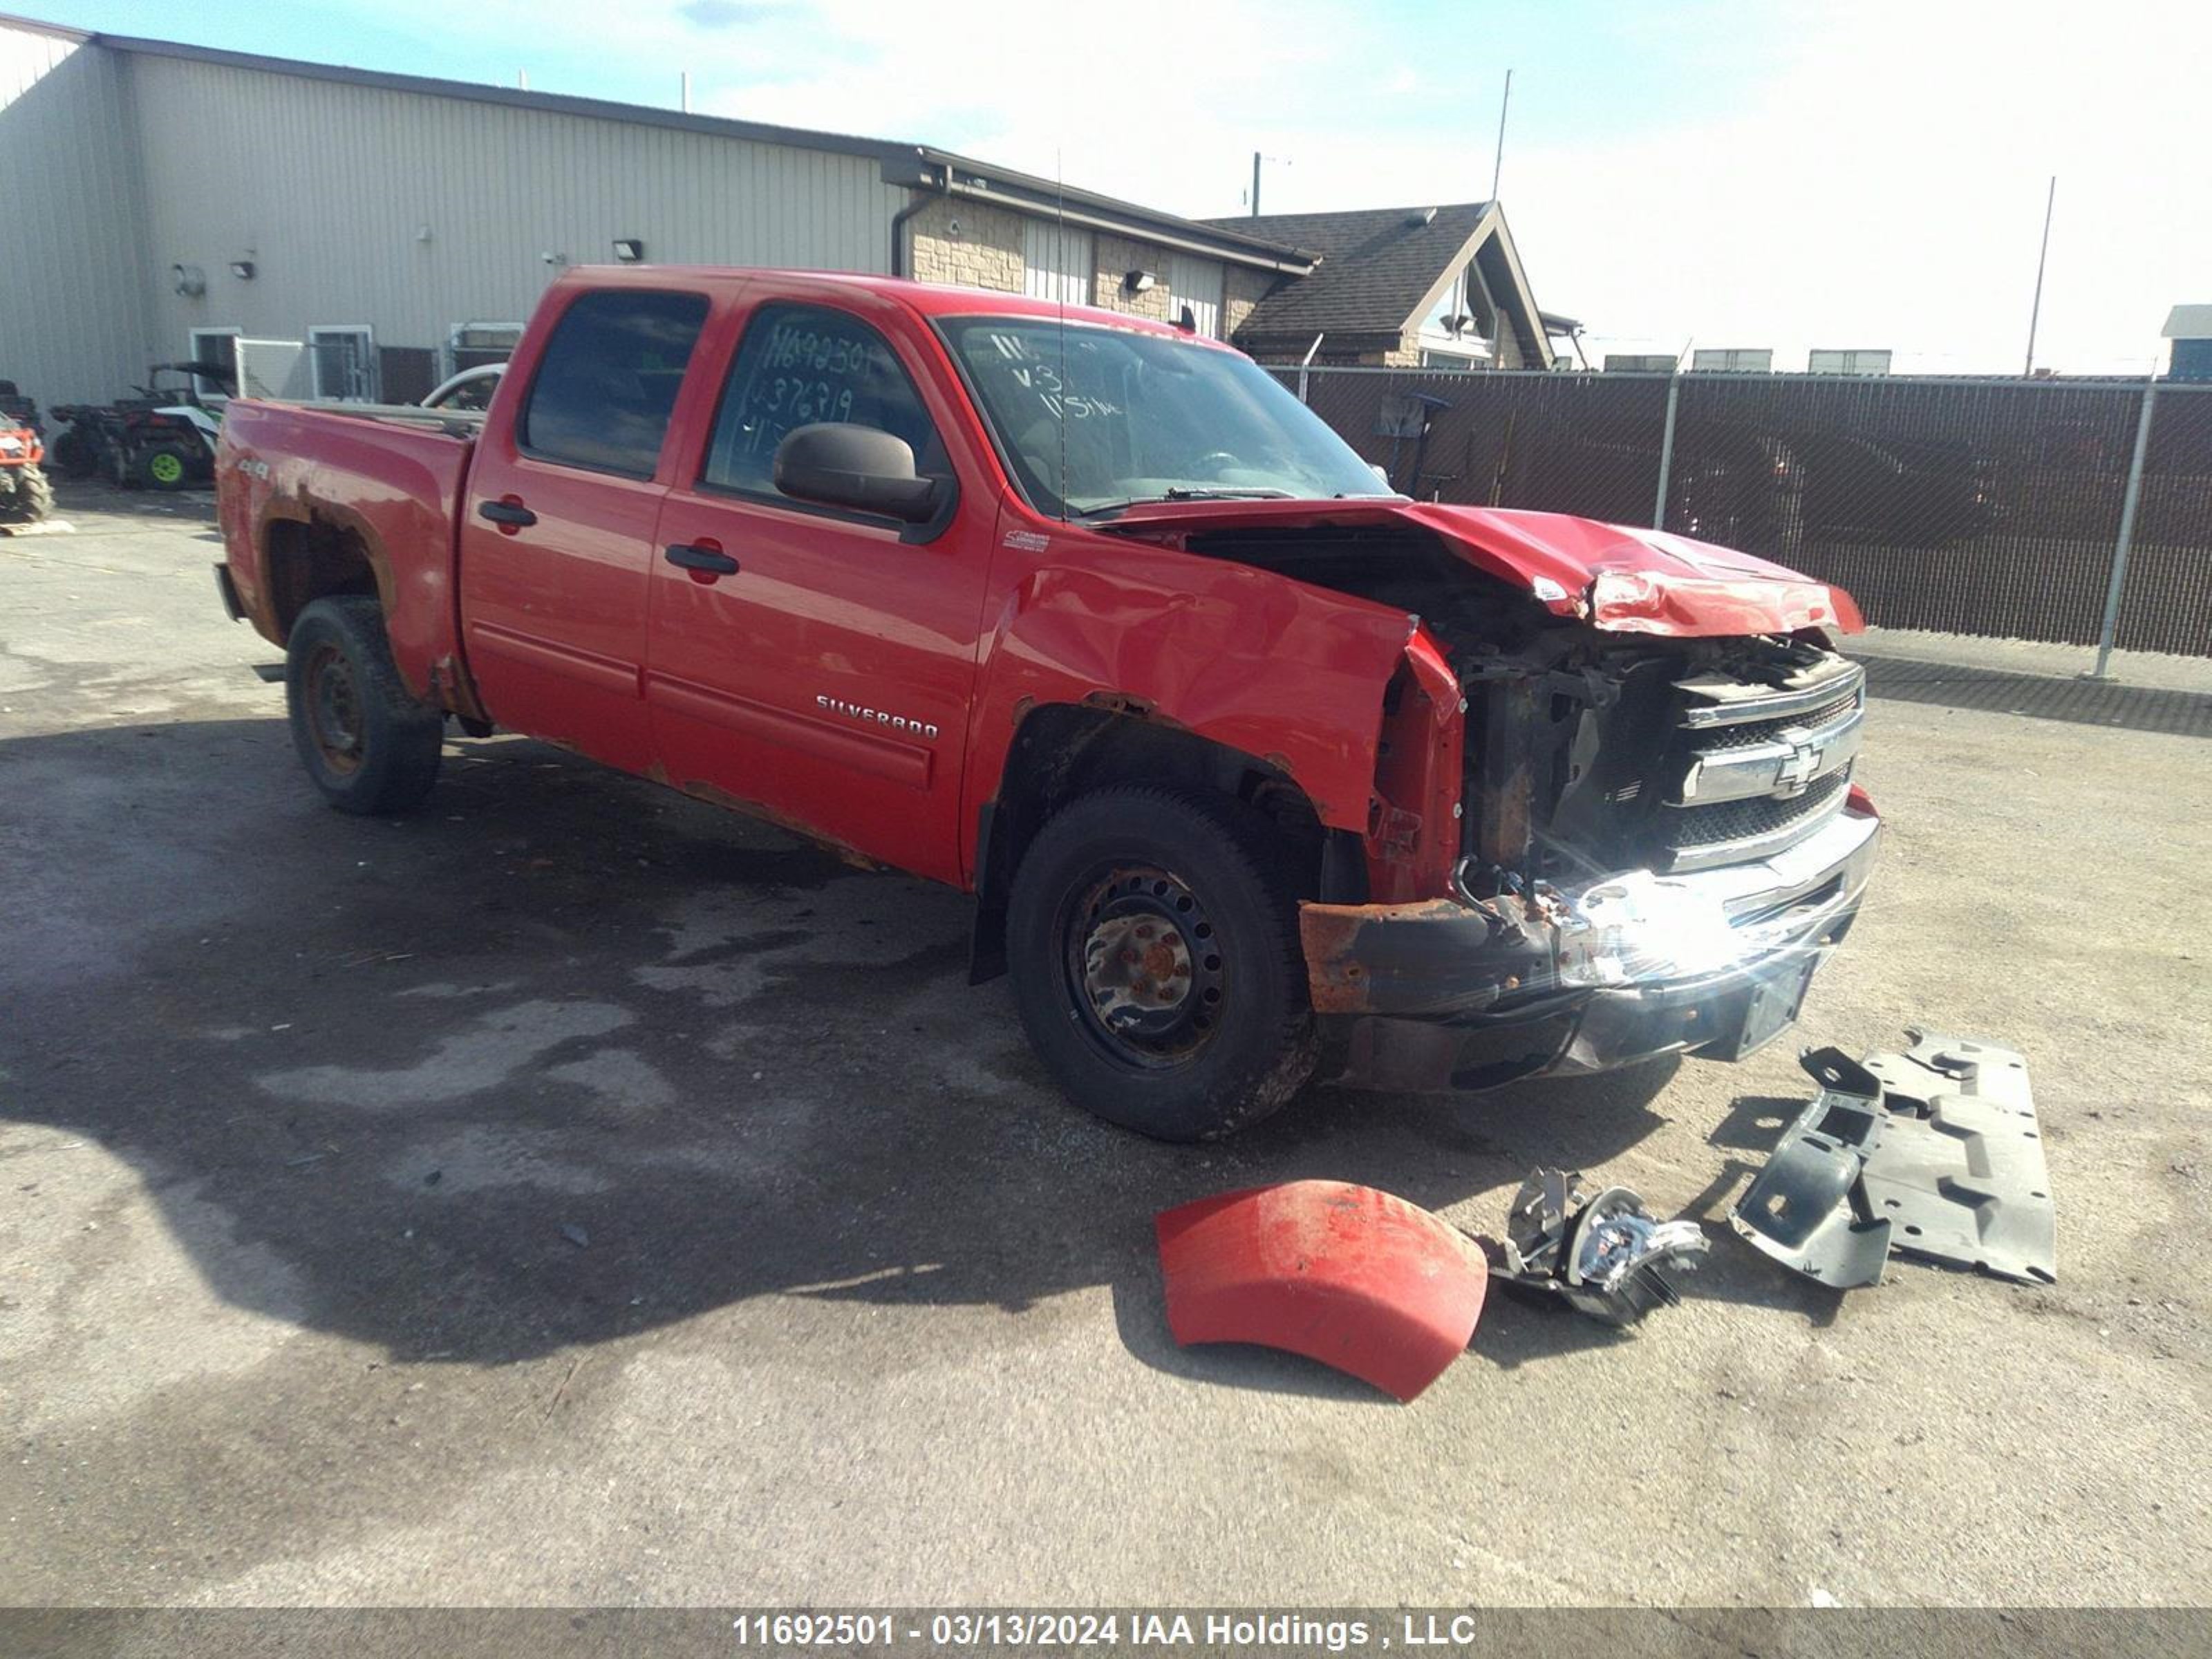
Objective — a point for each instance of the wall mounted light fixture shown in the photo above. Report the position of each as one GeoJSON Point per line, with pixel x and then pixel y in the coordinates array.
{"type": "Point", "coordinates": [1139, 281]}
{"type": "Point", "coordinates": [242, 269]}
{"type": "Point", "coordinates": [628, 250]}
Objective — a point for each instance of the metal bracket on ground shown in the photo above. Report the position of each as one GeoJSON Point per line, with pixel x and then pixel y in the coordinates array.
{"type": "Point", "coordinates": [1934, 1152]}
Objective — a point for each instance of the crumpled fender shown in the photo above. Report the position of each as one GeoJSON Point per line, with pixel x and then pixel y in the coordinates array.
{"type": "Point", "coordinates": [1352, 1277]}
{"type": "Point", "coordinates": [1290, 674]}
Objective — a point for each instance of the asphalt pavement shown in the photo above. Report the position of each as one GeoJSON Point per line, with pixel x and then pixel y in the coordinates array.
{"type": "Point", "coordinates": [573, 1193]}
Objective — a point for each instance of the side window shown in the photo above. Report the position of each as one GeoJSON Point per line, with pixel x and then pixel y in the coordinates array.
{"type": "Point", "coordinates": [799, 364]}
{"type": "Point", "coordinates": [609, 378]}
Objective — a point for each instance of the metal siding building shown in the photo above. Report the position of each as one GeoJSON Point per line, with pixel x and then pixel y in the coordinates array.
{"type": "Point", "coordinates": [77, 319]}
{"type": "Point", "coordinates": [407, 207]}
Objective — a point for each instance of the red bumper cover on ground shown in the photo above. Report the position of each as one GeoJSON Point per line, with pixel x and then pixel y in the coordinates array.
{"type": "Point", "coordinates": [1354, 1277]}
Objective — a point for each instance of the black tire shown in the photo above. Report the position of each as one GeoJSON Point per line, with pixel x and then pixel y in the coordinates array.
{"type": "Point", "coordinates": [164, 466]}
{"type": "Point", "coordinates": [34, 494]}
{"type": "Point", "coordinates": [75, 454]}
{"type": "Point", "coordinates": [1190, 1031]}
{"type": "Point", "coordinates": [368, 743]}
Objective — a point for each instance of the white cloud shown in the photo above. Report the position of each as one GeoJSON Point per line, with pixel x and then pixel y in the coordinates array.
{"type": "Point", "coordinates": [1782, 175]}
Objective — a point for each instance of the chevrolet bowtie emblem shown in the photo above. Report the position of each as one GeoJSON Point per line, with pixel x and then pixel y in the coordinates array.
{"type": "Point", "coordinates": [1792, 776]}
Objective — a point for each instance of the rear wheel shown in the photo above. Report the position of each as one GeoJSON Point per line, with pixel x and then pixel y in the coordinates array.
{"type": "Point", "coordinates": [1152, 935]}
{"type": "Point", "coordinates": [75, 454]}
{"type": "Point", "coordinates": [368, 743]}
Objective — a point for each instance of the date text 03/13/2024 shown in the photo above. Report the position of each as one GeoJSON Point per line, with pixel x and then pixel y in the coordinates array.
{"type": "Point", "coordinates": [990, 1630]}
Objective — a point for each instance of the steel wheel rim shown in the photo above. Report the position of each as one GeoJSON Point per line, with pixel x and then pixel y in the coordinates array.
{"type": "Point", "coordinates": [165, 469]}
{"type": "Point", "coordinates": [333, 708]}
{"type": "Point", "coordinates": [1143, 966]}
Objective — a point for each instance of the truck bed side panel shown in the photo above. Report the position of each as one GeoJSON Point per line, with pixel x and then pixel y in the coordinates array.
{"type": "Point", "coordinates": [393, 488]}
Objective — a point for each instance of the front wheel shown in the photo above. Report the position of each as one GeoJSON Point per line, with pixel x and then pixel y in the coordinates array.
{"type": "Point", "coordinates": [368, 743]}
{"type": "Point", "coordinates": [31, 500]}
{"type": "Point", "coordinates": [1154, 939]}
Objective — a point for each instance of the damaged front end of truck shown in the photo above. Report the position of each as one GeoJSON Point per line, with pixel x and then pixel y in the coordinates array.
{"type": "Point", "coordinates": [1614, 815]}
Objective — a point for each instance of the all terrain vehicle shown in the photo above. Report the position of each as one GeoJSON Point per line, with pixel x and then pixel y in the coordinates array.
{"type": "Point", "coordinates": [164, 438]}
{"type": "Point", "coordinates": [26, 494]}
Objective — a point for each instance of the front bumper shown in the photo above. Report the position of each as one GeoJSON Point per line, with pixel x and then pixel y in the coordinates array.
{"type": "Point", "coordinates": [1467, 994]}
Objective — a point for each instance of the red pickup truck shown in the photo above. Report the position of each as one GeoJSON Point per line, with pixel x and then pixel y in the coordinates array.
{"type": "Point", "coordinates": [1253, 767]}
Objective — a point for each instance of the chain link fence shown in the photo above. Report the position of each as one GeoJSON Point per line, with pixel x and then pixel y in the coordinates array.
{"type": "Point", "coordinates": [1990, 506]}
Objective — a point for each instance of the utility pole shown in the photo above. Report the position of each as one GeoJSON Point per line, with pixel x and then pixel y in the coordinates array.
{"type": "Point", "coordinates": [687, 92]}
{"type": "Point", "coordinates": [1255, 184]}
{"type": "Point", "coordinates": [2035, 312]}
{"type": "Point", "coordinates": [1497, 171]}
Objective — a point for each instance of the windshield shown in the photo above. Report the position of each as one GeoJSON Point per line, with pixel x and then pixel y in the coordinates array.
{"type": "Point", "coordinates": [1095, 418]}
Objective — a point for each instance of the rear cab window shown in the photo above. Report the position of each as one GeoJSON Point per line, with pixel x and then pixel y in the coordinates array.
{"type": "Point", "coordinates": [606, 388]}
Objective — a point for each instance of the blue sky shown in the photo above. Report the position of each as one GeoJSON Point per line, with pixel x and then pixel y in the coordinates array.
{"type": "Point", "coordinates": [1741, 173]}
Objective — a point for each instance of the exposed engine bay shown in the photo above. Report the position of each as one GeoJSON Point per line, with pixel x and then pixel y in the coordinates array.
{"type": "Point", "coordinates": [1589, 752]}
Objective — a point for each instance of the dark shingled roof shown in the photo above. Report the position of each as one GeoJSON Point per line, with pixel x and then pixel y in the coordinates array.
{"type": "Point", "coordinates": [1376, 264]}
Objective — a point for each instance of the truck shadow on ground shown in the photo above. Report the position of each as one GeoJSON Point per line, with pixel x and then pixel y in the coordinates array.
{"type": "Point", "coordinates": [564, 1058]}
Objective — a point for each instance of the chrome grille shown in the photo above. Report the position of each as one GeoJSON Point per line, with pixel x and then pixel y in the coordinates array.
{"type": "Point", "coordinates": [1758, 767]}
{"type": "Point", "coordinates": [1755, 732]}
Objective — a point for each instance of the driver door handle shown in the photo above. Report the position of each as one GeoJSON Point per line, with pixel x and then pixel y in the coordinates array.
{"type": "Point", "coordinates": [711, 560]}
{"type": "Point", "coordinates": [508, 514]}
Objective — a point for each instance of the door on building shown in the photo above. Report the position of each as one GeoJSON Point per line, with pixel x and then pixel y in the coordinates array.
{"type": "Point", "coordinates": [556, 529]}
{"type": "Point", "coordinates": [1196, 283]}
{"type": "Point", "coordinates": [345, 359]}
{"type": "Point", "coordinates": [1057, 261]}
{"type": "Point", "coordinates": [822, 665]}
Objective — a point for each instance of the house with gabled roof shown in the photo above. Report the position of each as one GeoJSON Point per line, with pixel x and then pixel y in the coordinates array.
{"type": "Point", "coordinates": [1421, 287]}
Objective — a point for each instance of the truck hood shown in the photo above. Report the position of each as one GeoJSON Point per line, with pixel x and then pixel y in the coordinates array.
{"type": "Point", "coordinates": [1615, 577]}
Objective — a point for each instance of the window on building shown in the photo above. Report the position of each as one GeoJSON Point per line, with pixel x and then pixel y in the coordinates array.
{"type": "Point", "coordinates": [799, 365]}
{"type": "Point", "coordinates": [1197, 284]}
{"type": "Point", "coordinates": [608, 381]}
{"type": "Point", "coordinates": [472, 345]}
{"type": "Point", "coordinates": [1056, 261]}
{"type": "Point", "coordinates": [343, 361]}
{"type": "Point", "coordinates": [213, 345]}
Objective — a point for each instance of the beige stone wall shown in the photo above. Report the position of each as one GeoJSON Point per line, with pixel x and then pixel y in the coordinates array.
{"type": "Point", "coordinates": [970, 244]}
{"type": "Point", "coordinates": [1117, 256]}
{"type": "Point", "coordinates": [1247, 287]}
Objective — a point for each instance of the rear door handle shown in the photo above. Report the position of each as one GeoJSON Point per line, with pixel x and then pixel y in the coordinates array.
{"type": "Point", "coordinates": [711, 560]}
{"type": "Point", "coordinates": [510, 514]}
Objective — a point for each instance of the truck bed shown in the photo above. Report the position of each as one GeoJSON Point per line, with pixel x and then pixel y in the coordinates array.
{"type": "Point", "coordinates": [389, 476]}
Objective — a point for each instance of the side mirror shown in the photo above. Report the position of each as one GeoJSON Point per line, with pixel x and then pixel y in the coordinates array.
{"type": "Point", "coordinates": [859, 467]}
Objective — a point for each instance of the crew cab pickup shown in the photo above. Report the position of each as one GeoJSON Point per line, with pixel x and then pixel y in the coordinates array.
{"type": "Point", "coordinates": [1253, 767]}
